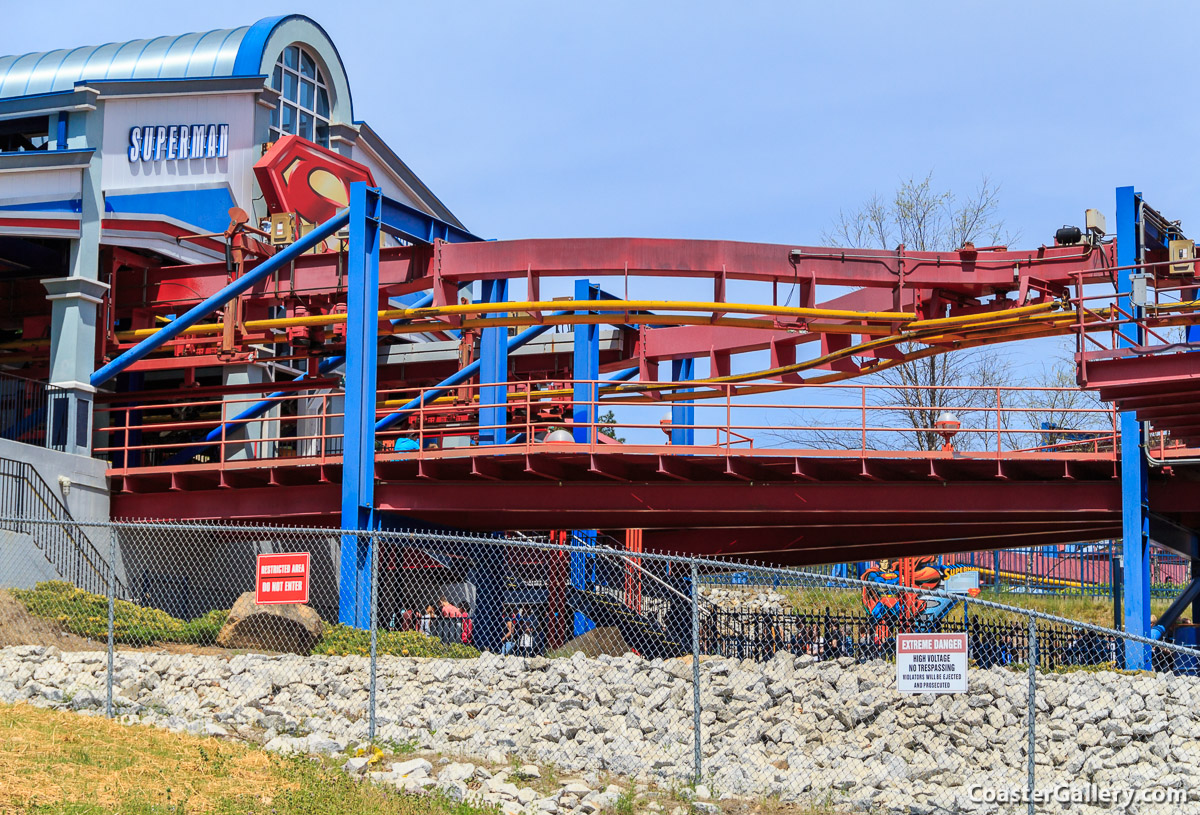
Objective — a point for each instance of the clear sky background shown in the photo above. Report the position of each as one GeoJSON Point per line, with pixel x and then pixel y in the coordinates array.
{"type": "Point", "coordinates": [746, 121]}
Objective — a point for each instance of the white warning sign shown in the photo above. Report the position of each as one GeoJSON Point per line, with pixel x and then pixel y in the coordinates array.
{"type": "Point", "coordinates": [931, 663]}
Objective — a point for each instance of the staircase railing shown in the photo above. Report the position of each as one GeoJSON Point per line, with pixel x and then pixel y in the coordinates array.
{"type": "Point", "coordinates": [650, 608]}
{"type": "Point", "coordinates": [25, 494]}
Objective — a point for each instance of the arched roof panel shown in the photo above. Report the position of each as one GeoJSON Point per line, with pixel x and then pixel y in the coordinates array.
{"type": "Point", "coordinates": [223, 52]}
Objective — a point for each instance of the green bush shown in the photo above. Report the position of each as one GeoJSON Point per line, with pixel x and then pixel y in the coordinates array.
{"type": "Point", "coordinates": [341, 640]}
{"type": "Point", "coordinates": [86, 614]}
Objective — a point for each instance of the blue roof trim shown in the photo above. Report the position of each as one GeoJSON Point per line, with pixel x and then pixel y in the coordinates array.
{"type": "Point", "coordinates": [99, 84]}
{"type": "Point", "coordinates": [254, 42]}
{"type": "Point", "coordinates": [237, 51]}
{"type": "Point", "coordinates": [72, 205]}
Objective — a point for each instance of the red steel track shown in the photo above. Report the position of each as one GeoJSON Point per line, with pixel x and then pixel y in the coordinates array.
{"type": "Point", "coordinates": [810, 508]}
{"type": "Point", "coordinates": [795, 505]}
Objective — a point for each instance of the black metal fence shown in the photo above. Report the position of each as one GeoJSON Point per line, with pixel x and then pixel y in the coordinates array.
{"type": "Point", "coordinates": [828, 635]}
{"type": "Point", "coordinates": [29, 409]}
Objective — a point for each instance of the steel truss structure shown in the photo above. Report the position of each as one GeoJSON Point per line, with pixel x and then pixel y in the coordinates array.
{"type": "Point", "coordinates": [374, 430]}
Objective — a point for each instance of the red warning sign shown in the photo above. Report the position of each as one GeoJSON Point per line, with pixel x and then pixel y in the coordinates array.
{"type": "Point", "coordinates": [282, 578]}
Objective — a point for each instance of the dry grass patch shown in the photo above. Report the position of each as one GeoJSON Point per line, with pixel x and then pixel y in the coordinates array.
{"type": "Point", "coordinates": [49, 756]}
{"type": "Point", "coordinates": [63, 763]}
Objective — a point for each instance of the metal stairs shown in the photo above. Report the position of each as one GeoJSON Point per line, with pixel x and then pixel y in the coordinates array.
{"type": "Point", "coordinates": [28, 506]}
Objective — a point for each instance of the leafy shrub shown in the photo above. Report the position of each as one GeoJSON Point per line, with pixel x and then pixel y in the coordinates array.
{"type": "Point", "coordinates": [86, 614]}
{"type": "Point", "coordinates": [341, 640]}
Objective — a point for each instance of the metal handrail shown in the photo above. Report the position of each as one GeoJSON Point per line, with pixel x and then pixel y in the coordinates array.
{"type": "Point", "coordinates": [72, 553]}
{"type": "Point", "coordinates": [300, 426]}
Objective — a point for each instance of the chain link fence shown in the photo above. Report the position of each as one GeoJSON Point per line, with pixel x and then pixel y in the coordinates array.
{"type": "Point", "coordinates": [566, 673]}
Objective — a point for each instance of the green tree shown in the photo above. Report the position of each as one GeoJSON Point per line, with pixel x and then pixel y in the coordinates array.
{"type": "Point", "coordinates": [608, 422]}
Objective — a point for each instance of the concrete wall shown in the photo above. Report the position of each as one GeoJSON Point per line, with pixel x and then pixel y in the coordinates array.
{"type": "Point", "coordinates": [87, 496]}
{"type": "Point", "coordinates": [22, 561]}
{"type": "Point", "coordinates": [22, 564]}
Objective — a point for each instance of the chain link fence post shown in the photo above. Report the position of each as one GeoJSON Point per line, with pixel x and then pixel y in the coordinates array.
{"type": "Point", "coordinates": [112, 591]}
{"type": "Point", "coordinates": [1033, 658]}
{"type": "Point", "coordinates": [372, 552]}
{"type": "Point", "coordinates": [696, 758]}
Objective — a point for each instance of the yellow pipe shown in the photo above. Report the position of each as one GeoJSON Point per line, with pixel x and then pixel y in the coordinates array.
{"type": "Point", "coordinates": [561, 305]}
{"type": "Point", "coordinates": [797, 367]}
{"type": "Point", "coordinates": [906, 336]}
{"type": "Point", "coordinates": [665, 391]}
{"type": "Point", "coordinates": [583, 319]}
{"type": "Point", "coordinates": [645, 305]}
{"type": "Point", "coordinates": [1008, 320]}
{"type": "Point", "coordinates": [1009, 313]}
{"type": "Point", "coordinates": [568, 319]}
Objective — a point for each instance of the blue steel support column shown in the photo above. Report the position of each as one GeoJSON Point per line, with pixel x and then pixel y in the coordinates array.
{"type": "Point", "coordinates": [582, 571]}
{"type": "Point", "coordinates": [362, 347]}
{"type": "Point", "coordinates": [683, 414]}
{"type": "Point", "coordinates": [1135, 519]}
{"type": "Point", "coordinates": [493, 370]}
{"type": "Point", "coordinates": [586, 369]}
{"type": "Point", "coordinates": [1194, 574]}
{"type": "Point", "coordinates": [487, 576]}
{"type": "Point", "coordinates": [488, 571]}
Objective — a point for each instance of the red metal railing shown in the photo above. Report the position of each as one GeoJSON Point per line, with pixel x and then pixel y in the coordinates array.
{"type": "Point", "coordinates": [1102, 324]}
{"type": "Point", "coordinates": [840, 419]}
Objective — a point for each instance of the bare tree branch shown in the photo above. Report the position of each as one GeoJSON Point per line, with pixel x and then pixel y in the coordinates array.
{"type": "Point", "coordinates": [906, 400]}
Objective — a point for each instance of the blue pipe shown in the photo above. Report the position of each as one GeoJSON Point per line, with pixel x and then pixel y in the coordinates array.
{"type": "Point", "coordinates": [259, 408]}
{"type": "Point", "coordinates": [421, 302]}
{"type": "Point", "coordinates": [625, 375]}
{"type": "Point", "coordinates": [1168, 618]}
{"type": "Point", "coordinates": [252, 412]}
{"type": "Point", "coordinates": [461, 375]}
{"type": "Point", "coordinates": [215, 301]}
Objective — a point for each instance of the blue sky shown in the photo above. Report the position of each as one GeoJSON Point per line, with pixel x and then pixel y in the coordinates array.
{"type": "Point", "coordinates": [744, 121]}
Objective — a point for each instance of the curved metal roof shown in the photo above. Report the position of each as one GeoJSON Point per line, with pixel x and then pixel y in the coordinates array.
{"type": "Point", "coordinates": [225, 52]}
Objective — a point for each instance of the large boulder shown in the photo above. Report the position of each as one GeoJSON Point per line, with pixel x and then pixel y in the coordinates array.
{"type": "Point", "coordinates": [275, 627]}
{"type": "Point", "coordinates": [596, 642]}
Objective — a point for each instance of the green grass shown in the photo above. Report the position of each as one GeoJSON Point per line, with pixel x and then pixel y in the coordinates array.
{"type": "Point", "coordinates": [816, 600]}
{"type": "Point", "coordinates": [86, 615]}
{"type": "Point", "coordinates": [60, 763]}
{"type": "Point", "coordinates": [624, 804]}
{"type": "Point", "coordinates": [1094, 610]}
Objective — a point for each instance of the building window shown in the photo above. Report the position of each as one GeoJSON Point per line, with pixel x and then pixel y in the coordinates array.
{"type": "Point", "coordinates": [303, 97]}
{"type": "Point", "coordinates": [21, 135]}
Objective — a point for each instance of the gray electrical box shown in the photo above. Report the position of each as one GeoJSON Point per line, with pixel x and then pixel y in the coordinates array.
{"type": "Point", "coordinates": [1138, 295]}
